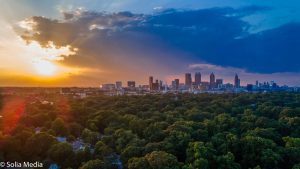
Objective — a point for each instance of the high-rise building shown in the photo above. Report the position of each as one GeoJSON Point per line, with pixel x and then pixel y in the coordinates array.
{"type": "Point", "coordinates": [155, 86]}
{"type": "Point", "coordinates": [176, 84]}
{"type": "Point", "coordinates": [160, 85]}
{"type": "Point", "coordinates": [219, 82]}
{"type": "Point", "coordinates": [131, 84]}
{"type": "Point", "coordinates": [173, 85]}
{"type": "Point", "coordinates": [197, 78]}
{"type": "Point", "coordinates": [237, 81]}
{"type": "Point", "coordinates": [250, 87]}
{"type": "Point", "coordinates": [119, 85]}
{"type": "Point", "coordinates": [212, 80]}
{"type": "Point", "coordinates": [188, 79]}
{"type": "Point", "coordinates": [151, 82]}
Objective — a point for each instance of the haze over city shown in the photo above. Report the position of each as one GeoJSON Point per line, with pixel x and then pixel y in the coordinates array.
{"type": "Point", "coordinates": [89, 42]}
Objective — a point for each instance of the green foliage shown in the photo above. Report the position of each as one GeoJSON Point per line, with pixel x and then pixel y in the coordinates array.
{"type": "Point", "coordinates": [227, 161]}
{"type": "Point", "coordinates": [102, 150]}
{"type": "Point", "coordinates": [75, 129]}
{"type": "Point", "coordinates": [162, 160]}
{"type": "Point", "coordinates": [205, 131]}
{"type": "Point", "coordinates": [297, 166]}
{"type": "Point", "coordinates": [93, 164]}
{"type": "Point", "coordinates": [89, 136]}
{"type": "Point", "coordinates": [58, 126]}
{"type": "Point", "coordinates": [36, 146]}
{"type": "Point", "coordinates": [62, 154]}
{"type": "Point", "coordinates": [198, 155]}
{"type": "Point", "coordinates": [138, 163]}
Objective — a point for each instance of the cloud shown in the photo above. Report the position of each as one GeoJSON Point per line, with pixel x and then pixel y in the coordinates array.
{"type": "Point", "coordinates": [68, 16]}
{"type": "Point", "coordinates": [169, 40]}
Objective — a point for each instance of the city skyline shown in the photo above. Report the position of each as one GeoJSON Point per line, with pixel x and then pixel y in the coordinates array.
{"type": "Point", "coordinates": [189, 85]}
{"type": "Point", "coordinates": [90, 42]}
{"type": "Point", "coordinates": [154, 82]}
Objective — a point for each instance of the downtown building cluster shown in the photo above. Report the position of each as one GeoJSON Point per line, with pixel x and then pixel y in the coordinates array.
{"type": "Point", "coordinates": [191, 84]}
{"type": "Point", "coordinates": [199, 85]}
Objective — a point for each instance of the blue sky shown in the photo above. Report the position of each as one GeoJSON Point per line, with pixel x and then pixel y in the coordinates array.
{"type": "Point", "coordinates": [258, 39]}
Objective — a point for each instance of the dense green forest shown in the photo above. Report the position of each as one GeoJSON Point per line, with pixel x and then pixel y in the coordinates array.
{"type": "Point", "coordinates": [205, 131]}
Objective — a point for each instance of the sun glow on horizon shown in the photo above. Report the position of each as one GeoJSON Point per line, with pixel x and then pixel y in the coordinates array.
{"type": "Point", "coordinates": [31, 59]}
{"type": "Point", "coordinates": [45, 68]}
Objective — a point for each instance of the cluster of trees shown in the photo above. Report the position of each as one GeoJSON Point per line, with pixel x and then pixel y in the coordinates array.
{"type": "Point", "coordinates": [228, 131]}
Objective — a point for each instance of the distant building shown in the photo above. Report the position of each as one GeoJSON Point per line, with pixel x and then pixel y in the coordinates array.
{"type": "Point", "coordinates": [274, 85]}
{"type": "Point", "coordinates": [151, 82]}
{"type": "Point", "coordinates": [212, 81]}
{"type": "Point", "coordinates": [144, 87]}
{"type": "Point", "coordinates": [237, 81]}
{"type": "Point", "coordinates": [160, 85]}
{"type": "Point", "coordinates": [176, 84]}
{"type": "Point", "coordinates": [119, 85]}
{"type": "Point", "coordinates": [250, 87]}
{"type": "Point", "coordinates": [204, 86]}
{"type": "Point", "coordinates": [219, 83]}
{"type": "Point", "coordinates": [156, 85]}
{"type": "Point", "coordinates": [188, 80]}
{"type": "Point", "coordinates": [131, 84]}
{"type": "Point", "coordinates": [65, 90]}
{"type": "Point", "coordinates": [228, 86]}
{"type": "Point", "coordinates": [108, 86]}
{"type": "Point", "coordinates": [197, 78]}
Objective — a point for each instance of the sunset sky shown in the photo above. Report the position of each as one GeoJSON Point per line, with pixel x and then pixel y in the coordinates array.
{"type": "Point", "coordinates": [89, 42]}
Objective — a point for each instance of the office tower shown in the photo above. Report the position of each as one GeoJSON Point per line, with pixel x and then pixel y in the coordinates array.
{"type": "Point", "coordinates": [151, 82]}
{"type": "Point", "coordinates": [173, 84]}
{"type": "Point", "coordinates": [204, 86]}
{"type": "Point", "coordinates": [249, 87]}
{"type": "Point", "coordinates": [155, 86]}
{"type": "Point", "coordinates": [160, 85]}
{"type": "Point", "coordinates": [197, 78]}
{"type": "Point", "coordinates": [212, 81]}
{"type": "Point", "coordinates": [273, 84]}
{"type": "Point", "coordinates": [236, 81]}
{"type": "Point", "coordinates": [219, 83]}
{"type": "Point", "coordinates": [188, 80]}
{"type": "Point", "coordinates": [119, 85]}
{"type": "Point", "coordinates": [176, 84]}
{"type": "Point", "coordinates": [256, 83]}
{"type": "Point", "coordinates": [131, 84]}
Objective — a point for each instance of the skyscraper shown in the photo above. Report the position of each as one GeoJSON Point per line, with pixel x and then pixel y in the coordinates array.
{"type": "Point", "coordinates": [119, 85]}
{"type": "Point", "coordinates": [176, 84]}
{"type": "Point", "coordinates": [151, 82]}
{"type": "Point", "coordinates": [160, 85]}
{"type": "Point", "coordinates": [155, 85]}
{"type": "Point", "coordinates": [131, 84]}
{"type": "Point", "coordinates": [197, 78]}
{"type": "Point", "coordinates": [250, 87]}
{"type": "Point", "coordinates": [212, 81]}
{"type": "Point", "coordinates": [236, 81]}
{"type": "Point", "coordinates": [219, 83]}
{"type": "Point", "coordinates": [188, 80]}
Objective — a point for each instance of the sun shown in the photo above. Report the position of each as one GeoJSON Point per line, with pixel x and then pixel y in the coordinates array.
{"type": "Point", "coordinates": [45, 68]}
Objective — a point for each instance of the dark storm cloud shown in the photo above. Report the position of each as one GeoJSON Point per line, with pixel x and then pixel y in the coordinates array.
{"type": "Point", "coordinates": [172, 39]}
{"type": "Point", "coordinates": [68, 16]}
{"type": "Point", "coordinates": [275, 50]}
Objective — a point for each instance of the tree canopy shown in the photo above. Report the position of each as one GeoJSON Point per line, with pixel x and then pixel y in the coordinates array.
{"type": "Point", "coordinates": [182, 131]}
